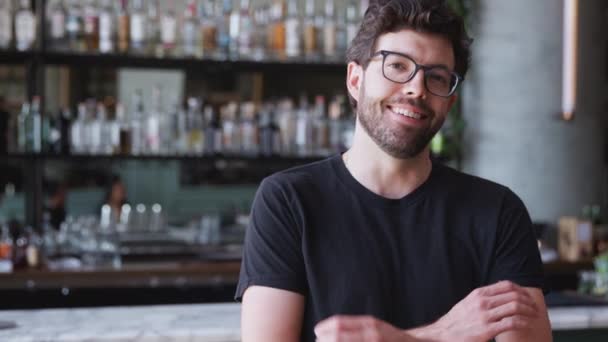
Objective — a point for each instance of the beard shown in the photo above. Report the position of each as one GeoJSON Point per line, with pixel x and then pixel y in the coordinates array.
{"type": "Point", "coordinates": [402, 142]}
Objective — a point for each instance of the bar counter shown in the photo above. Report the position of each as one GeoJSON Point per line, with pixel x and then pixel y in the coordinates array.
{"type": "Point", "coordinates": [202, 322]}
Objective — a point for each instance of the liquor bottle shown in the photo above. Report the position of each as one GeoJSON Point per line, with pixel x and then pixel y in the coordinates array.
{"type": "Point", "coordinates": [137, 124]}
{"type": "Point", "coordinates": [57, 24]}
{"type": "Point", "coordinates": [195, 127]}
{"type": "Point", "coordinates": [95, 130]}
{"type": "Point", "coordinates": [320, 31]}
{"type": "Point", "coordinates": [341, 37]}
{"type": "Point", "coordinates": [59, 131]}
{"type": "Point", "coordinates": [153, 29]}
{"type": "Point", "coordinates": [293, 38]}
{"type": "Point", "coordinates": [22, 129]}
{"type": "Point", "coordinates": [137, 27]}
{"type": "Point", "coordinates": [245, 34]}
{"type": "Point", "coordinates": [153, 123]}
{"type": "Point", "coordinates": [208, 35]}
{"type": "Point", "coordinates": [124, 133]}
{"type": "Point", "coordinates": [304, 129]}
{"type": "Point", "coordinates": [270, 136]}
{"type": "Point", "coordinates": [25, 26]}
{"type": "Point", "coordinates": [279, 28]}
{"type": "Point", "coordinates": [249, 130]}
{"type": "Point", "coordinates": [213, 132]}
{"type": "Point", "coordinates": [230, 131]}
{"type": "Point", "coordinates": [107, 27]}
{"type": "Point", "coordinates": [223, 29]}
{"type": "Point", "coordinates": [190, 31]}
{"type": "Point", "coordinates": [33, 251]}
{"type": "Point", "coordinates": [329, 31]}
{"type": "Point", "coordinates": [321, 144]}
{"type": "Point", "coordinates": [74, 27]}
{"type": "Point", "coordinates": [286, 118]}
{"type": "Point", "coordinates": [168, 30]}
{"type": "Point", "coordinates": [123, 27]}
{"type": "Point", "coordinates": [310, 31]}
{"type": "Point", "coordinates": [352, 22]}
{"type": "Point", "coordinates": [77, 131]}
{"type": "Point", "coordinates": [6, 24]}
{"type": "Point", "coordinates": [34, 127]}
{"type": "Point", "coordinates": [6, 249]}
{"type": "Point", "coordinates": [235, 22]}
{"type": "Point", "coordinates": [91, 26]}
{"type": "Point", "coordinates": [260, 33]}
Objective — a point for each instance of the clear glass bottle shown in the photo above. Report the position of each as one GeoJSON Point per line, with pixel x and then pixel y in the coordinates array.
{"type": "Point", "coordinates": [22, 129]}
{"type": "Point", "coordinates": [245, 34]}
{"type": "Point", "coordinates": [57, 36]}
{"type": "Point", "coordinates": [341, 36]}
{"type": "Point", "coordinates": [310, 31]}
{"type": "Point", "coordinates": [293, 38]}
{"type": "Point", "coordinates": [153, 29]}
{"type": "Point", "coordinates": [213, 132]}
{"type": "Point", "coordinates": [233, 31]}
{"type": "Point", "coordinates": [352, 21]}
{"type": "Point", "coordinates": [249, 130]}
{"type": "Point", "coordinates": [153, 123]}
{"type": "Point", "coordinates": [223, 28]}
{"type": "Point", "coordinates": [335, 127]}
{"type": "Point", "coordinates": [168, 30]}
{"type": "Point", "coordinates": [34, 127]}
{"type": "Point", "coordinates": [329, 31]}
{"type": "Point", "coordinates": [137, 28]}
{"type": "Point", "coordinates": [321, 143]}
{"type": "Point", "coordinates": [137, 124]}
{"type": "Point", "coordinates": [195, 127]}
{"type": "Point", "coordinates": [107, 27]}
{"type": "Point", "coordinates": [95, 129]}
{"type": "Point", "coordinates": [190, 31]}
{"type": "Point", "coordinates": [77, 131]}
{"type": "Point", "coordinates": [25, 26]}
{"type": "Point", "coordinates": [6, 24]}
{"type": "Point", "coordinates": [207, 16]}
{"type": "Point", "coordinates": [124, 26]}
{"type": "Point", "coordinates": [304, 130]}
{"type": "Point", "coordinates": [74, 26]}
{"type": "Point", "coordinates": [286, 118]}
{"type": "Point", "coordinates": [230, 129]}
{"type": "Point", "coordinates": [260, 34]}
{"type": "Point", "coordinates": [91, 26]}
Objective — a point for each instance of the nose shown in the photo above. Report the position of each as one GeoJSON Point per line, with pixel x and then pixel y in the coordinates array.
{"type": "Point", "coordinates": [415, 87]}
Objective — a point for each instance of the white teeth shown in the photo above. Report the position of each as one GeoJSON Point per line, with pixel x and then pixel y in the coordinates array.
{"type": "Point", "coordinates": [406, 112]}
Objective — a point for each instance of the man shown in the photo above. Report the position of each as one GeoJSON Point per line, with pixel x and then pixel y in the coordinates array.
{"type": "Point", "coordinates": [380, 243]}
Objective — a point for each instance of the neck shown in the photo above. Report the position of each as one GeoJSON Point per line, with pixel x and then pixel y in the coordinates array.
{"type": "Point", "coordinates": [382, 173]}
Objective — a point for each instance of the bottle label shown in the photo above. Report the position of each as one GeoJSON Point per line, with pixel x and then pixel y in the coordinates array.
{"type": "Point", "coordinates": [105, 32]}
{"type": "Point", "coordinates": [168, 30]}
{"type": "Point", "coordinates": [90, 24]}
{"type": "Point", "coordinates": [25, 30]}
{"type": "Point", "coordinates": [57, 25]}
{"type": "Point", "coordinates": [5, 29]}
{"type": "Point", "coordinates": [293, 37]}
{"type": "Point", "coordinates": [137, 28]}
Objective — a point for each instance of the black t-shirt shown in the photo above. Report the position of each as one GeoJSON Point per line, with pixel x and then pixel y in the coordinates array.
{"type": "Point", "coordinates": [316, 231]}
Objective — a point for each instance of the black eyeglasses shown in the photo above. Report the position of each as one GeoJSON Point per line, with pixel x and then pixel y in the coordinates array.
{"type": "Point", "coordinates": [400, 68]}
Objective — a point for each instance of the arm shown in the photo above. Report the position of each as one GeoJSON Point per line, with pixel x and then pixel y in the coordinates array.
{"type": "Point", "coordinates": [264, 307]}
{"type": "Point", "coordinates": [540, 327]}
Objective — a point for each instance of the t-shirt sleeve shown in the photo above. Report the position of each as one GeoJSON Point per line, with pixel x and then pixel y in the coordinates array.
{"type": "Point", "coordinates": [516, 255]}
{"type": "Point", "coordinates": [272, 249]}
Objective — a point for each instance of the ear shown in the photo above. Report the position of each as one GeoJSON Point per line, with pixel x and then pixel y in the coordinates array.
{"type": "Point", "coordinates": [354, 77]}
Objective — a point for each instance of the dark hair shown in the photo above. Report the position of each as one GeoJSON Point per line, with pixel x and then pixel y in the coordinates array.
{"type": "Point", "coordinates": [430, 16]}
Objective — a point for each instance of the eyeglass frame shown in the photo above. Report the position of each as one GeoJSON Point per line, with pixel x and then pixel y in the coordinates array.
{"type": "Point", "coordinates": [418, 67]}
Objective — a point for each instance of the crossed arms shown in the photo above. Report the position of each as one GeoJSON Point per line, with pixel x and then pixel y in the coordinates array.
{"type": "Point", "coordinates": [504, 311]}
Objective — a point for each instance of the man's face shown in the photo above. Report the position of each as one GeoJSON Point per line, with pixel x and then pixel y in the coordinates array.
{"type": "Point", "coordinates": [381, 103]}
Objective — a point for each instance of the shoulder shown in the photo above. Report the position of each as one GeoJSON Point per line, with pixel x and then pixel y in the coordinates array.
{"type": "Point", "coordinates": [298, 178]}
{"type": "Point", "coordinates": [475, 189]}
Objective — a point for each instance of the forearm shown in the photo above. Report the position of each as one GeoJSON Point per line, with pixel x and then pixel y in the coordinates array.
{"type": "Point", "coordinates": [427, 333]}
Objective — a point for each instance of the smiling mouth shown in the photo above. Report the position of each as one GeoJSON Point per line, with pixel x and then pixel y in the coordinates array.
{"type": "Point", "coordinates": [407, 113]}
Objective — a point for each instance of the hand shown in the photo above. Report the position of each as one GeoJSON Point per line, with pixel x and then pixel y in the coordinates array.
{"type": "Point", "coordinates": [487, 312]}
{"type": "Point", "coordinates": [358, 329]}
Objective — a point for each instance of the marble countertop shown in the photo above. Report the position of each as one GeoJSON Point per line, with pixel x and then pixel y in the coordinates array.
{"type": "Point", "coordinates": [191, 322]}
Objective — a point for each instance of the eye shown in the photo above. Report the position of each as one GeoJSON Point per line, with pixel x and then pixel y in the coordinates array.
{"type": "Point", "coordinates": [398, 66]}
{"type": "Point", "coordinates": [444, 80]}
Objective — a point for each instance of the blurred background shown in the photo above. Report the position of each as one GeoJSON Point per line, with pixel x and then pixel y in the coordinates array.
{"type": "Point", "coordinates": [133, 135]}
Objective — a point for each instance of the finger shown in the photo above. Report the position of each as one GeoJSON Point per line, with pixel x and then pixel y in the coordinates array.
{"type": "Point", "coordinates": [512, 296]}
{"type": "Point", "coordinates": [512, 309]}
{"type": "Point", "coordinates": [507, 324]}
